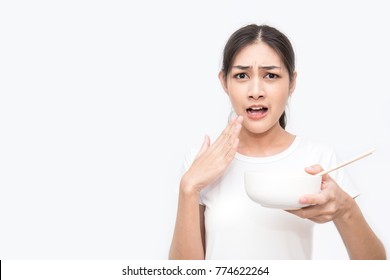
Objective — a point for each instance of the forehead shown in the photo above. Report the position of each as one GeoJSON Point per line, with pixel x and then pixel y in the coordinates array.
{"type": "Point", "coordinates": [257, 54]}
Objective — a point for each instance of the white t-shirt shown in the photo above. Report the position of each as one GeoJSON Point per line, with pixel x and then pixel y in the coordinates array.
{"type": "Point", "coordinates": [238, 228]}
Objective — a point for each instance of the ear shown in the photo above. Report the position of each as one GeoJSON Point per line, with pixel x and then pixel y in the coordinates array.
{"type": "Point", "coordinates": [222, 79]}
{"type": "Point", "coordinates": [293, 83]}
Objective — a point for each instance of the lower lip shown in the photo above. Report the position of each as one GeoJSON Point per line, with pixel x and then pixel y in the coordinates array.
{"type": "Point", "coordinates": [257, 115]}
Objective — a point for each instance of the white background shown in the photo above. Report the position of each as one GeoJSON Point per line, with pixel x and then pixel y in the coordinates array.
{"type": "Point", "coordinates": [100, 100]}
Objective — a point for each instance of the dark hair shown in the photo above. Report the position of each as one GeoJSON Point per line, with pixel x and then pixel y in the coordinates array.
{"type": "Point", "coordinates": [248, 35]}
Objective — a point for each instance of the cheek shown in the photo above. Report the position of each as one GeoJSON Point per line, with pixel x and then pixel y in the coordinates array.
{"type": "Point", "coordinates": [281, 96]}
{"type": "Point", "coordinates": [235, 102]}
{"type": "Point", "coordinates": [235, 94]}
{"type": "Point", "coordinates": [283, 99]}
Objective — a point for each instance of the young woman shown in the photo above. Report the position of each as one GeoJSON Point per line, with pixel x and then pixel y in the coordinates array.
{"type": "Point", "coordinates": [215, 218]}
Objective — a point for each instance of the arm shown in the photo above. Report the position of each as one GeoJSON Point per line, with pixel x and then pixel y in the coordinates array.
{"type": "Point", "coordinates": [188, 237]}
{"type": "Point", "coordinates": [333, 204]}
{"type": "Point", "coordinates": [359, 239]}
{"type": "Point", "coordinates": [211, 161]}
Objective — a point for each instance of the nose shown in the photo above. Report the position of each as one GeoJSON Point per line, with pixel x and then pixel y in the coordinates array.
{"type": "Point", "coordinates": [255, 90]}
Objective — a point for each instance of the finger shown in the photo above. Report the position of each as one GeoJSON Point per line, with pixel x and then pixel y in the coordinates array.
{"type": "Point", "coordinates": [229, 134]}
{"type": "Point", "coordinates": [225, 147]}
{"type": "Point", "coordinates": [237, 119]}
{"type": "Point", "coordinates": [315, 169]}
{"type": "Point", "coordinates": [205, 145]}
{"type": "Point", "coordinates": [234, 130]}
{"type": "Point", "coordinates": [231, 143]}
{"type": "Point", "coordinates": [232, 124]}
{"type": "Point", "coordinates": [225, 133]}
{"type": "Point", "coordinates": [231, 152]}
{"type": "Point", "coordinates": [308, 212]}
{"type": "Point", "coordinates": [314, 199]}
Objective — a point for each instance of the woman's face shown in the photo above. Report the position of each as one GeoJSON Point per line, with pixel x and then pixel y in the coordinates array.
{"type": "Point", "coordinates": [258, 86]}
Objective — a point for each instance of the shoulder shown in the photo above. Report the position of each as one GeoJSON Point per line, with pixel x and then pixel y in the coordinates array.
{"type": "Point", "coordinates": [190, 156]}
{"type": "Point", "coordinates": [315, 147]}
{"type": "Point", "coordinates": [327, 156]}
{"type": "Point", "coordinates": [191, 153]}
{"type": "Point", "coordinates": [316, 152]}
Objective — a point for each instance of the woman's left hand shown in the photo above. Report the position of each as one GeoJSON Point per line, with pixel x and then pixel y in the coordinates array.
{"type": "Point", "coordinates": [330, 204]}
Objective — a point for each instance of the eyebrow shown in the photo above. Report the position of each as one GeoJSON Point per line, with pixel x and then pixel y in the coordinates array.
{"type": "Point", "coordinates": [270, 67]}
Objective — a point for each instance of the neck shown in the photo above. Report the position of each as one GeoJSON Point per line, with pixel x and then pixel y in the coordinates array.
{"type": "Point", "coordinates": [268, 143]}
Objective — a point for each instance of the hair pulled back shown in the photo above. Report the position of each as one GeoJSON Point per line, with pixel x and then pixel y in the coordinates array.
{"type": "Point", "coordinates": [251, 34]}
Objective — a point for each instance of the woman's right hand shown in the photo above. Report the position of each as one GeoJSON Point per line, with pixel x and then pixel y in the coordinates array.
{"type": "Point", "coordinates": [212, 160]}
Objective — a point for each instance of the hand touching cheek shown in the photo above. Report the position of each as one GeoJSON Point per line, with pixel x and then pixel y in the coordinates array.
{"type": "Point", "coordinates": [213, 159]}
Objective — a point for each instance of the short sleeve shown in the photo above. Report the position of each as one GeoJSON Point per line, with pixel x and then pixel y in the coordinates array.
{"type": "Point", "coordinates": [187, 162]}
{"type": "Point", "coordinates": [342, 177]}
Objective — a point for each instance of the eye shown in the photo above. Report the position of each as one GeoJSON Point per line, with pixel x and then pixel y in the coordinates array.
{"type": "Point", "coordinates": [241, 76]}
{"type": "Point", "coordinates": [271, 76]}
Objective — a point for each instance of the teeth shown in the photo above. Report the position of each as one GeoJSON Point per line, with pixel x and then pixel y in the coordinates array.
{"type": "Point", "coordinates": [257, 108]}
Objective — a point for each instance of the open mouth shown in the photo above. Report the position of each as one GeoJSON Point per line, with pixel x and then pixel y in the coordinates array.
{"type": "Point", "coordinates": [257, 112]}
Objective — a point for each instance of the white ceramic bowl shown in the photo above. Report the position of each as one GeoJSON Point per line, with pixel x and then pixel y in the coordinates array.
{"type": "Point", "coordinates": [280, 190]}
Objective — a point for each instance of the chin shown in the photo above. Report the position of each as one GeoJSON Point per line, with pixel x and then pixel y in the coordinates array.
{"type": "Point", "coordinates": [260, 127]}
{"type": "Point", "coordinates": [258, 130]}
